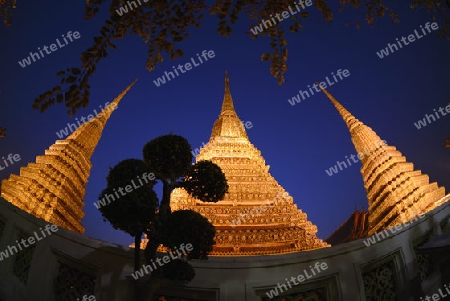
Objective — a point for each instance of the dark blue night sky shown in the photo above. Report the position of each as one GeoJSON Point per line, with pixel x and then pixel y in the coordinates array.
{"type": "Point", "coordinates": [299, 142]}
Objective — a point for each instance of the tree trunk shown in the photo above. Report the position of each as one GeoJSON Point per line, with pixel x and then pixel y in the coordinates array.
{"type": "Point", "coordinates": [154, 283]}
{"type": "Point", "coordinates": [164, 209]}
{"type": "Point", "coordinates": [137, 249]}
{"type": "Point", "coordinates": [148, 293]}
{"type": "Point", "coordinates": [149, 290]}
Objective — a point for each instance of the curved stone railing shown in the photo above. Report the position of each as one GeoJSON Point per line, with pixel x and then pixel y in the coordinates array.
{"type": "Point", "coordinates": [64, 265]}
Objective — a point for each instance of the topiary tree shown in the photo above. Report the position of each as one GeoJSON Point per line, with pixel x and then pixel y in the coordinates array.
{"type": "Point", "coordinates": [130, 211]}
{"type": "Point", "coordinates": [169, 158]}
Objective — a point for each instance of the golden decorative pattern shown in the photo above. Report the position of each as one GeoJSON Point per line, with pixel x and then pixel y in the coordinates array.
{"type": "Point", "coordinates": [54, 187]}
{"type": "Point", "coordinates": [270, 222]}
{"type": "Point", "coordinates": [396, 192]}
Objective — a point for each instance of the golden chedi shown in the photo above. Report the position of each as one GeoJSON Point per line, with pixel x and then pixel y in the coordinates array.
{"type": "Point", "coordinates": [396, 192]}
{"type": "Point", "coordinates": [256, 216]}
{"type": "Point", "coordinates": [54, 187]}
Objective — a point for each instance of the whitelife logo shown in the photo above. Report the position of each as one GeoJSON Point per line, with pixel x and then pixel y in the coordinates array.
{"type": "Point", "coordinates": [411, 38]}
{"type": "Point", "coordinates": [162, 80]}
{"type": "Point", "coordinates": [10, 158]}
{"type": "Point", "coordinates": [124, 9]}
{"type": "Point", "coordinates": [280, 198]}
{"type": "Point", "coordinates": [72, 126]}
{"type": "Point", "coordinates": [165, 259]}
{"type": "Point", "coordinates": [304, 94]}
{"type": "Point", "coordinates": [31, 240]}
{"type": "Point", "coordinates": [247, 124]}
{"type": "Point", "coordinates": [360, 156]}
{"type": "Point", "coordinates": [376, 237]}
{"type": "Point", "coordinates": [285, 14]}
{"type": "Point", "coordinates": [128, 189]}
{"type": "Point", "coordinates": [274, 292]}
{"type": "Point", "coordinates": [437, 297]}
{"type": "Point", "coordinates": [33, 55]}
{"type": "Point", "coordinates": [423, 123]}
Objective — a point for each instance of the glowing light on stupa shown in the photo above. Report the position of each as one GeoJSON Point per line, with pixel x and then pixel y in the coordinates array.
{"type": "Point", "coordinates": [54, 187]}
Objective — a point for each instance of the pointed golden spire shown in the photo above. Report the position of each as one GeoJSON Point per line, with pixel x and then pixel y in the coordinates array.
{"type": "Point", "coordinates": [366, 143]}
{"type": "Point", "coordinates": [227, 105]}
{"type": "Point", "coordinates": [256, 216]}
{"type": "Point", "coordinates": [89, 133]}
{"type": "Point", "coordinates": [395, 191]}
{"type": "Point", "coordinates": [228, 124]}
{"type": "Point", "coordinates": [54, 187]}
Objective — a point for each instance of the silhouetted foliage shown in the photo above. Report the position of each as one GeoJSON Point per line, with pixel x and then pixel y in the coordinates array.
{"type": "Point", "coordinates": [162, 25]}
{"type": "Point", "coordinates": [130, 211]}
{"type": "Point", "coordinates": [205, 174]}
{"type": "Point", "coordinates": [169, 158]}
{"type": "Point", "coordinates": [6, 7]}
{"type": "Point", "coordinates": [187, 226]}
{"type": "Point", "coordinates": [179, 270]}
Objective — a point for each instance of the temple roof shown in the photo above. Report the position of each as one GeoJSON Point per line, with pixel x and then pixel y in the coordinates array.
{"type": "Point", "coordinates": [53, 188]}
{"type": "Point", "coordinates": [396, 192]}
{"type": "Point", "coordinates": [355, 227]}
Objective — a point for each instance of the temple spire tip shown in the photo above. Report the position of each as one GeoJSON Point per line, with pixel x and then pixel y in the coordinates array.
{"type": "Point", "coordinates": [227, 100]}
{"type": "Point", "coordinates": [227, 82]}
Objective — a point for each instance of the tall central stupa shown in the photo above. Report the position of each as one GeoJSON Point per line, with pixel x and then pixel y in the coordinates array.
{"type": "Point", "coordinates": [257, 216]}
